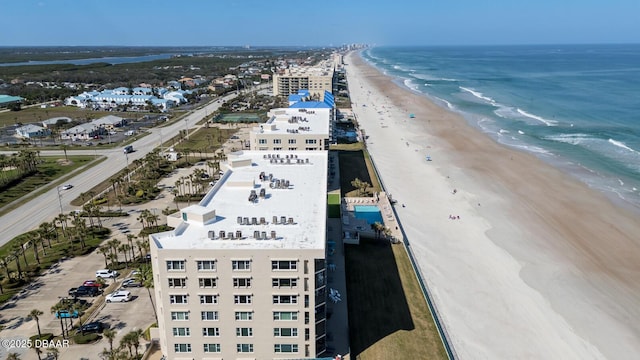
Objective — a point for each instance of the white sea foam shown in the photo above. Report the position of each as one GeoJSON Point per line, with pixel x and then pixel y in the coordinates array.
{"type": "Point", "coordinates": [479, 95]}
{"type": "Point", "coordinates": [410, 84]}
{"type": "Point", "coordinates": [431, 78]}
{"type": "Point", "coordinates": [621, 145]}
{"type": "Point", "coordinates": [503, 131]}
{"type": "Point", "coordinates": [621, 182]}
{"type": "Point", "coordinates": [573, 139]}
{"type": "Point", "coordinates": [520, 132]}
{"type": "Point", "coordinates": [536, 117]}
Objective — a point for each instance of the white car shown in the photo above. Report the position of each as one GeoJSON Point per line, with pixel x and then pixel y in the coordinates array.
{"type": "Point", "coordinates": [118, 296]}
{"type": "Point", "coordinates": [106, 273]}
{"type": "Point", "coordinates": [67, 187]}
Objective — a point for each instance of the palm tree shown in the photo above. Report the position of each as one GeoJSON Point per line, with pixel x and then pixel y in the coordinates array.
{"type": "Point", "coordinates": [104, 250]}
{"type": "Point", "coordinates": [127, 341]}
{"type": "Point", "coordinates": [124, 249]}
{"type": "Point", "coordinates": [145, 277]}
{"type": "Point", "coordinates": [13, 356]}
{"type": "Point", "coordinates": [64, 148]}
{"type": "Point", "coordinates": [110, 335]}
{"type": "Point", "coordinates": [15, 251]}
{"type": "Point", "coordinates": [38, 352]}
{"type": "Point", "coordinates": [53, 352]}
{"type": "Point", "coordinates": [136, 335]}
{"type": "Point", "coordinates": [77, 307]}
{"type": "Point", "coordinates": [35, 314]}
{"type": "Point", "coordinates": [130, 238]}
{"type": "Point", "coordinates": [55, 309]}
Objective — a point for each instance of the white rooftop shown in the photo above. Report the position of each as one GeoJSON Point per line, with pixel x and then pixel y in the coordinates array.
{"type": "Point", "coordinates": [301, 121]}
{"type": "Point", "coordinates": [304, 201]}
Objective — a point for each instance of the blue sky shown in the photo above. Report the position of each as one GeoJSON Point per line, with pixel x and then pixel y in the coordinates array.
{"type": "Point", "coordinates": [317, 23]}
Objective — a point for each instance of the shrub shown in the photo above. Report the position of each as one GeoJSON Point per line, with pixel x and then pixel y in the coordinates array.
{"type": "Point", "coordinates": [45, 336]}
{"type": "Point", "coordinates": [139, 193]}
{"type": "Point", "coordinates": [86, 338]}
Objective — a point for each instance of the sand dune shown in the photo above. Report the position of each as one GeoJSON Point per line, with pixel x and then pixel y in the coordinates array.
{"type": "Point", "coordinates": [539, 266]}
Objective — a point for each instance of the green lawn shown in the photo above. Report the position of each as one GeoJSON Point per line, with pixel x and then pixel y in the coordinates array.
{"type": "Point", "coordinates": [37, 114]}
{"type": "Point", "coordinates": [388, 315]}
{"type": "Point", "coordinates": [356, 164]}
{"type": "Point", "coordinates": [49, 171]}
{"type": "Point", "coordinates": [205, 139]}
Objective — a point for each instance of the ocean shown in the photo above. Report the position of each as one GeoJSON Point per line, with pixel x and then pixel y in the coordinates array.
{"type": "Point", "coordinates": [576, 107]}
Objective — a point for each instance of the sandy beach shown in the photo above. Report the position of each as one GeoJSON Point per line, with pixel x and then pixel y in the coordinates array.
{"type": "Point", "coordinates": [538, 265]}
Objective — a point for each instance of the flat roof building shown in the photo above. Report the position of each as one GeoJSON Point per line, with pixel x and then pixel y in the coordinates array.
{"type": "Point", "coordinates": [243, 275]}
{"type": "Point", "coordinates": [316, 79]}
{"type": "Point", "coordinates": [292, 129]}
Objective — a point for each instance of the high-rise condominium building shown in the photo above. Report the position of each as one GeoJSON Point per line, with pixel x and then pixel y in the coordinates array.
{"type": "Point", "coordinates": [242, 275]}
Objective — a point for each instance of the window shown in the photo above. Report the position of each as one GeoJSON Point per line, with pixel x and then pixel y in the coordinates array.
{"type": "Point", "coordinates": [244, 315]}
{"type": "Point", "coordinates": [310, 141]}
{"type": "Point", "coordinates": [277, 148]}
{"type": "Point", "coordinates": [242, 299]}
{"type": "Point", "coordinates": [241, 283]}
{"type": "Point", "coordinates": [284, 282]}
{"type": "Point", "coordinates": [262, 141]}
{"type": "Point", "coordinates": [179, 315]}
{"type": "Point", "coordinates": [241, 264]}
{"type": "Point", "coordinates": [244, 348]}
{"type": "Point", "coordinates": [173, 265]}
{"type": "Point", "coordinates": [178, 299]}
{"type": "Point", "coordinates": [206, 265]}
{"type": "Point", "coordinates": [209, 315]}
{"type": "Point", "coordinates": [208, 299]}
{"type": "Point", "coordinates": [284, 265]}
{"type": "Point", "coordinates": [285, 315]}
{"type": "Point", "coordinates": [285, 348]}
{"type": "Point", "coordinates": [292, 148]}
{"type": "Point", "coordinates": [285, 332]}
{"type": "Point", "coordinates": [285, 299]}
{"type": "Point", "coordinates": [310, 148]}
{"type": "Point", "coordinates": [207, 282]}
{"type": "Point", "coordinates": [244, 331]}
{"type": "Point", "coordinates": [212, 348]}
{"type": "Point", "coordinates": [292, 141]}
{"type": "Point", "coordinates": [276, 141]}
{"type": "Point", "coordinates": [182, 348]}
{"type": "Point", "coordinates": [211, 331]}
{"type": "Point", "coordinates": [181, 331]}
{"type": "Point", "coordinates": [177, 282]}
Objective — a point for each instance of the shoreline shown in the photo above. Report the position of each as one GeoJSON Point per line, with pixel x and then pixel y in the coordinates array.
{"type": "Point", "coordinates": [535, 249]}
{"type": "Point", "coordinates": [568, 166]}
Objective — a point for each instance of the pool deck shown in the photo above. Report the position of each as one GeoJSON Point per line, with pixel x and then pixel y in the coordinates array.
{"type": "Point", "coordinates": [352, 225]}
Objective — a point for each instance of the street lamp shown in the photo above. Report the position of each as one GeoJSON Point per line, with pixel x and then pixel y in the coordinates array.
{"type": "Point", "coordinates": [59, 199]}
{"type": "Point", "coordinates": [126, 156]}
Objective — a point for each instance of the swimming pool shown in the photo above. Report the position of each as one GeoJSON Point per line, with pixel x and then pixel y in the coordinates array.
{"type": "Point", "coordinates": [371, 213]}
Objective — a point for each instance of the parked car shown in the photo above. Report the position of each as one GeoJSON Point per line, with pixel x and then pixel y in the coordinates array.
{"type": "Point", "coordinates": [93, 283]}
{"type": "Point", "coordinates": [106, 273]}
{"type": "Point", "coordinates": [61, 314]}
{"type": "Point", "coordinates": [131, 282]}
{"type": "Point", "coordinates": [67, 187]}
{"type": "Point", "coordinates": [118, 296]}
{"type": "Point", "coordinates": [81, 291]}
{"type": "Point", "coordinates": [94, 327]}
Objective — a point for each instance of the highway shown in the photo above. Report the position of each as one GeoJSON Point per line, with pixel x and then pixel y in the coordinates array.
{"type": "Point", "coordinates": [46, 206]}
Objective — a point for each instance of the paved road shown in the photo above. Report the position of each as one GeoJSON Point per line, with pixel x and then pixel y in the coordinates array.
{"type": "Point", "coordinates": [47, 206]}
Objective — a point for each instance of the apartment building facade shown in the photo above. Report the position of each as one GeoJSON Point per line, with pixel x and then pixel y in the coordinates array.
{"type": "Point", "coordinates": [293, 129]}
{"type": "Point", "coordinates": [315, 79]}
{"type": "Point", "coordinates": [243, 274]}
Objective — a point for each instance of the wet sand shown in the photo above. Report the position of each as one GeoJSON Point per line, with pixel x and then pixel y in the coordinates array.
{"type": "Point", "coordinates": [538, 266]}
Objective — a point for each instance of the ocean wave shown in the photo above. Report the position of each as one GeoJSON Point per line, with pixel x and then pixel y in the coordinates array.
{"type": "Point", "coordinates": [432, 78]}
{"type": "Point", "coordinates": [536, 117]}
{"type": "Point", "coordinates": [479, 95]}
{"type": "Point", "coordinates": [449, 105]}
{"type": "Point", "coordinates": [621, 145]}
{"type": "Point", "coordinates": [503, 131]}
{"type": "Point", "coordinates": [411, 84]}
{"type": "Point", "coordinates": [573, 139]}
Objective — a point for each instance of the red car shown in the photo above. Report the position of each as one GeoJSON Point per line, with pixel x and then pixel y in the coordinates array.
{"type": "Point", "coordinates": [92, 283]}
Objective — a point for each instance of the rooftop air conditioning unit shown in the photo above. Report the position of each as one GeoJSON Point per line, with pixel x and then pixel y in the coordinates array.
{"type": "Point", "coordinates": [254, 221]}
{"type": "Point", "coordinates": [256, 234]}
{"type": "Point", "coordinates": [275, 220]}
{"type": "Point", "coordinates": [239, 234]}
{"type": "Point", "coordinates": [264, 235]}
{"type": "Point", "coordinates": [290, 221]}
{"type": "Point", "coordinates": [239, 220]}
{"type": "Point", "coordinates": [212, 234]}
{"type": "Point", "coordinates": [273, 234]}
{"type": "Point", "coordinates": [283, 220]}
{"type": "Point", "coordinates": [222, 234]}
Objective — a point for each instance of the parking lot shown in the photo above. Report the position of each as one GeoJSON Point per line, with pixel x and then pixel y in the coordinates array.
{"type": "Point", "coordinates": [48, 289]}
